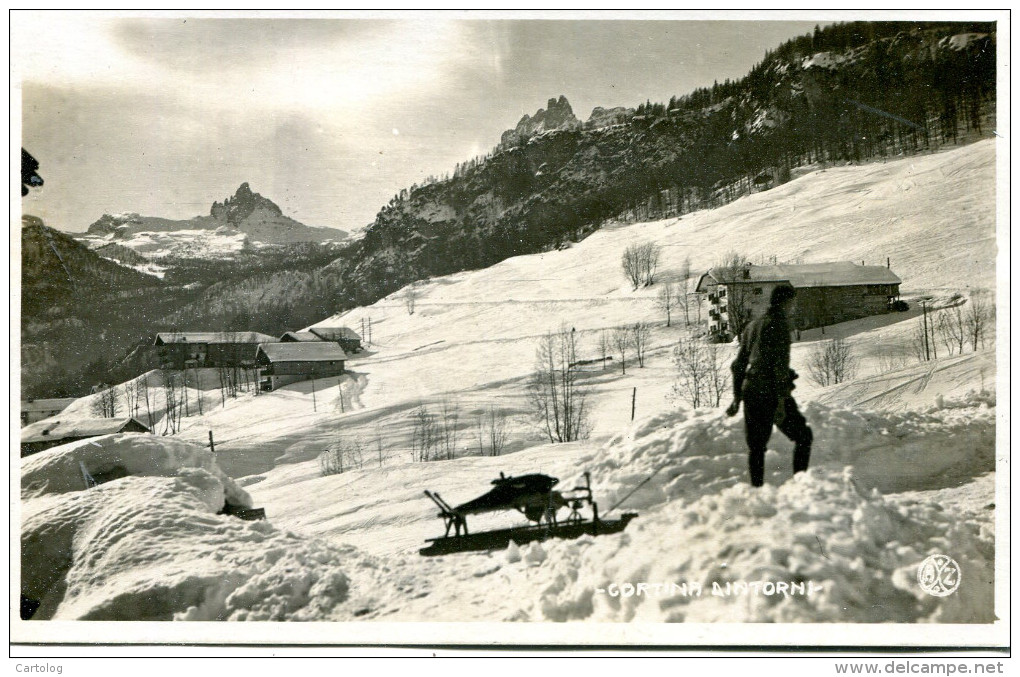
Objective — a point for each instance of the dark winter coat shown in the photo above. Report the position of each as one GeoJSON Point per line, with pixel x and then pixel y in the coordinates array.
{"type": "Point", "coordinates": [763, 362]}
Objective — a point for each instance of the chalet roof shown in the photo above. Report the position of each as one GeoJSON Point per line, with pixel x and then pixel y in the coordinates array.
{"type": "Point", "coordinates": [299, 336]}
{"type": "Point", "coordinates": [56, 404]}
{"type": "Point", "coordinates": [335, 333]}
{"type": "Point", "coordinates": [301, 352]}
{"type": "Point", "coordinates": [212, 337]}
{"type": "Point", "coordinates": [806, 275]}
{"type": "Point", "coordinates": [44, 431]}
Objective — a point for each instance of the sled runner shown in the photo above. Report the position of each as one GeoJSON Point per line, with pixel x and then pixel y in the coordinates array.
{"type": "Point", "coordinates": [534, 497]}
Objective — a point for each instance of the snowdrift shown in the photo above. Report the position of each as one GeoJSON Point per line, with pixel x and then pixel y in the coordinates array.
{"type": "Point", "coordinates": [839, 528]}
{"type": "Point", "coordinates": [150, 546]}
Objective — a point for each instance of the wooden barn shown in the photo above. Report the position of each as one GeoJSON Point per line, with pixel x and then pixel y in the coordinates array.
{"type": "Point", "coordinates": [45, 434]}
{"type": "Point", "coordinates": [284, 363]}
{"type": "Point", "coordinates": [198, 349]}
{"type": "Point", "coordinates": [37, 410]}
{"type": "Point", "coordinates": [827, 293]}
{"type": "Point", "coordinates": [346, 338]}
{"type": "Point", "coordinates": [299, 337]}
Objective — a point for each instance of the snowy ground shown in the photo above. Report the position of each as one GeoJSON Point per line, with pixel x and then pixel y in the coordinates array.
{"type": "Point", "coordinates": [903, 465]}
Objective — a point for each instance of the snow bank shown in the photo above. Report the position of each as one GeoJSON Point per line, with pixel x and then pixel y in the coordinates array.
{"type": "Point", "coordinates": [696, 455]}
{"type": "Point", "coordinates": [151, 547]}
{"type": "Point", "coordinates": [58, 470]}
{"type": "Point", "coordinates": [841, 553]}
{"type": "Point", "coordinates": [852, 552]}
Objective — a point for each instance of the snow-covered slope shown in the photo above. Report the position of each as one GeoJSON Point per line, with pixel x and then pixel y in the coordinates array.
{"type": "Point", "coordinates": [893, 446]}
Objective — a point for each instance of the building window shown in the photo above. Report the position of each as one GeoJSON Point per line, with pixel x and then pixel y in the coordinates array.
{"type": "Point", "coordinates": [757, 291]}
{"type": "Point", "coordinates": [722, 292]}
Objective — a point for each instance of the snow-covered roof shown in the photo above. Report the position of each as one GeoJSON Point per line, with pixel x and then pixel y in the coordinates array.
{"type": "Point", "coordinates": [212, 337]}
{"type": "Point", "coordinates": [302, 352]}
{"type": "Point", "coordinates": [335, 333]}
{"type": "Point", "coordinates": [806, 275]}
{"type": "Point", "coordinates": [56, 404]}
{"type": "Point", "coordinates": [43, 431]}
{"type": "Point", "coordinates": [299, 336]}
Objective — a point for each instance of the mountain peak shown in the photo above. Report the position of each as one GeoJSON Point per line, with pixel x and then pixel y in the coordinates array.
{"type": "Point", "coordinates": [556, 115]}
{"type": "Point", "coordinates": [241, 205]}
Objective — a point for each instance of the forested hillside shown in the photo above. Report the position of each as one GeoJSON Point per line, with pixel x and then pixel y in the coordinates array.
{"type": "Point", "coordinates": [847, 93]}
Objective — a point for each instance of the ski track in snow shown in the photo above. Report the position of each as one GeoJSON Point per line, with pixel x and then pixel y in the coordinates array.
{"type": "Point", "coordinates": [903, 463]}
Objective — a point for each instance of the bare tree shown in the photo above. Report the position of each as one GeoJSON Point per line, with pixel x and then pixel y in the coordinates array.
{"type": "Point", "coordinates": [424, 435]}
{"type": "Point", "coordinates": [632, 265]}
{"type": "Point", "coordinates": [683, 290]}
{"type": "Point", "coordinates": [668, 299]}
{"type": "Point", "coordinates": [622, 341]}
{"type": "Point", "coordinates": [640, 262]}
{"type": "Point", "coordinates": [718, 373]}
{"type": "Point", "coordinates": [493, 430]}
{"type": "Point", "coordinates": [692, 384]}
{"type": "Point", "coordinates": [106, 404]}
{"type": "Point", "coordinates": [410, 298]}
{"type": "Point", "coordinates": [131, 397]}
{"type": "Point", "coordinates": [650, 253]}
{"type": "Point", "coordinates": [143, 395]}
{"type": "Point", "coordinates": [639, 333]}
{"type": "Point", "coordinates": [919, 340]}
{"type": "Point", "coordinates": [172, 401]}
{"type": "Point", "coordinates": [343, 455]}
{"type": "Point", "coordinates": [832, 362]}
{"type": "Point", "coordinates": [979, 317]}
{"type": "Point", "coordinates": [735, 277]}
{"type": "Point", "coordinates": [950, 327]}
{"type": "Point", "coordinates": [447, 429]}
{"type": "Point", "coordinates": [605, 345]}
{"type": "Point", "coordinates": [559, 400]}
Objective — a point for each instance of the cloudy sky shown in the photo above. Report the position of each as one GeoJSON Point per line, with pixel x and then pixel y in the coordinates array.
{"type": "Point", "coordinates": [327, 117]}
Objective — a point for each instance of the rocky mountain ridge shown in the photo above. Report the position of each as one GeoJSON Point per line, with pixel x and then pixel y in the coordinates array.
{"type": "Point", "coordinates": [245, 213]}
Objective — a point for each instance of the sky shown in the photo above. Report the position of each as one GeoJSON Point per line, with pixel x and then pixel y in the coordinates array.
{"type": "Point", "coordinates": [328, 117]}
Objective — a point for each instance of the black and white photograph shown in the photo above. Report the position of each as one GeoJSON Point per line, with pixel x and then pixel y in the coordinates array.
{"type": "Point", "coordinates": [466, 328]}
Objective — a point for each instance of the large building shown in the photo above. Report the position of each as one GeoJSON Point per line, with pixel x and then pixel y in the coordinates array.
{"type": "Point", "coordinates": [198, 349]}
{"type": "Point", "coordinates": [284, 363]}
{"type": "Point", "coordinates": [827, 293]}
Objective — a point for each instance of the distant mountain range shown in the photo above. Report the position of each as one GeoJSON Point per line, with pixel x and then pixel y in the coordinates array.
{"type": "Point", "coordinates": [243, 220]}
{"type": "Point", "coordinates": [848, 93]}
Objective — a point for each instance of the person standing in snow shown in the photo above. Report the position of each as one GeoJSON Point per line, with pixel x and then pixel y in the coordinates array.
{"type": "Point", "coordinates": [763, 381]}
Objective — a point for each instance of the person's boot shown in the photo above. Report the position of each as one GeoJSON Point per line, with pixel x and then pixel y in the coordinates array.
{"type": "Point", "coordinates": [756, 467]}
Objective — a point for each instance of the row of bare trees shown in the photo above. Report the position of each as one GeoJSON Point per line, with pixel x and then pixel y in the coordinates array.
{"type": "Point", "coordinates": [133, 395]}
{"type": "Point", "coordinates": [343, 455]}
{"type": "Point", "coordinates": [966, 322]}
{"type": "Point", "coordinates": [703, 375]}
{"type": "Point", "coordinates": [434, 435]}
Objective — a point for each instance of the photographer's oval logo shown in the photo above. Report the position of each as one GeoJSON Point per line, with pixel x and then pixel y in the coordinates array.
{"type": "Point", "coordinates": [939, 575]}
